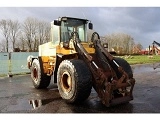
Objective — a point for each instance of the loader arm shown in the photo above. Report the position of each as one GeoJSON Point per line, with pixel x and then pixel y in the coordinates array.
{"type": "Point", "coordinates": [108, 76]}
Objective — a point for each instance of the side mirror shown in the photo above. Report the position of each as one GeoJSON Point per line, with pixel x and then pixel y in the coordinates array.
{"type": "Point", "coordinates": [90, 26]}
{"type": "Point", "coordinates": [57, 22]}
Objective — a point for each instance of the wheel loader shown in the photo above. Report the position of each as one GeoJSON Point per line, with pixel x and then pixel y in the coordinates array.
{"type": "Point", "coordinates": [78, 64]}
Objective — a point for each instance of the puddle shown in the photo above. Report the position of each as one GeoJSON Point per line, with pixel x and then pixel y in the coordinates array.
{"type": "Point", "coordinates": [146, 68]}
{"type": "Point", "coordinates": [17, 105]}
{"type": "Point", "coordinates": [26, 105]}
{"type": "Point", "coordinates": [38, 102]}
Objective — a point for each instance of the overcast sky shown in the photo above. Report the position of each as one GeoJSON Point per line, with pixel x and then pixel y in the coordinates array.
{"type": "Point", "coordinates": [142, 23]}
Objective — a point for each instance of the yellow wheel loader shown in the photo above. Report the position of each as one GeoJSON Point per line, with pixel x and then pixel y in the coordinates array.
{"type": "Point", "coordinates": [78, 64]}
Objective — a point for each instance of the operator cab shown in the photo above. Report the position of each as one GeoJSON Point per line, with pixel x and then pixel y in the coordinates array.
{"type": "Point", "coordinates": [69, 25]}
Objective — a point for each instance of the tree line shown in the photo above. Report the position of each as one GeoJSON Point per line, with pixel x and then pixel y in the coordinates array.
{"type": "Point", "coordinates": [120, 43]}
{"type": "Point", "coordinates": [27, 36]}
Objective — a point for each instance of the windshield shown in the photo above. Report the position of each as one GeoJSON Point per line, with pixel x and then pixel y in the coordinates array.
{"type": "Point", "coordinates": [73, 25]}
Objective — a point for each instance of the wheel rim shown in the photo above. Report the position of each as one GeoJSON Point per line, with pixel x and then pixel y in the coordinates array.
{"type": "Point", "coordinates": [35, 74]}
{"type": "Point", "coordinates": [66, 82]}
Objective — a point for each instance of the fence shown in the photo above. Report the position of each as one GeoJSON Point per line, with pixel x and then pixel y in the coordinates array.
{"type": "Point", "coordinates": [15, 62]}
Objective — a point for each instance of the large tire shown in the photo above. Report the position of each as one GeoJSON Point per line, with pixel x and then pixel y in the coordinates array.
{"type": "Point", "coordinates": [39, 79]}
{"type": "Point", "coordinates": [127, 68]}
{"type": "Point", "coordinates": [74, 81]}
{"type": "Point", "coordinates": [125, 65]}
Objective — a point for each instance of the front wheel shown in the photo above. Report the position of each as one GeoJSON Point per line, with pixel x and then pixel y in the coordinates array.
{"type": "Point", "coordinates": [74, 81]}
{"type": "Point", "coordinates": [125, 65]}
{"type": "Point", "coordinates": [39, 79]}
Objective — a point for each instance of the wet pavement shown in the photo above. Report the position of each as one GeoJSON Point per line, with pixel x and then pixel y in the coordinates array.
{"type": "Point", "coordinates": [17, 95]}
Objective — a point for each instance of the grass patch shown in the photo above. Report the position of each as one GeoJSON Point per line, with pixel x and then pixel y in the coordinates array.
{"type": "Point", "coordinates": [141, 59]}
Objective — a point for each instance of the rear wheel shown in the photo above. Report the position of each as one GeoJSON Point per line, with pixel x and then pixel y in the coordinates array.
{"type": "Point", "coordinates": [74, 81]}
{"type": "Point", "coordinates": [39, 79]}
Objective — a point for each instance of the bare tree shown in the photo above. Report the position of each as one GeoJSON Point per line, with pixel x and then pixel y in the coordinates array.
{"type": "Point", "coordinates": [14, 28]}
{"type": "Point", "coordinates": [47, 33]}
{"type": "Point", "coordinates": [41, 31]}
{"type": "Point", "coordinates": [127, 43]}
{"type": "Point", "coordinates": [120, 42]}
{"type": "Point", "coordinates": [36, 32]}
{"type": "Point", "coordinates": [4, 26]}
{"type": "Point", "coordinates": [2, 46]}
{"type": "Point", "coordinates": [30, 30]}
{"type": "Point", "coordinates": [32, 33]}
{"type": "Point", "coordinates": [21, 42]}
{"type": "Point", "coordinates": [139, 46]}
